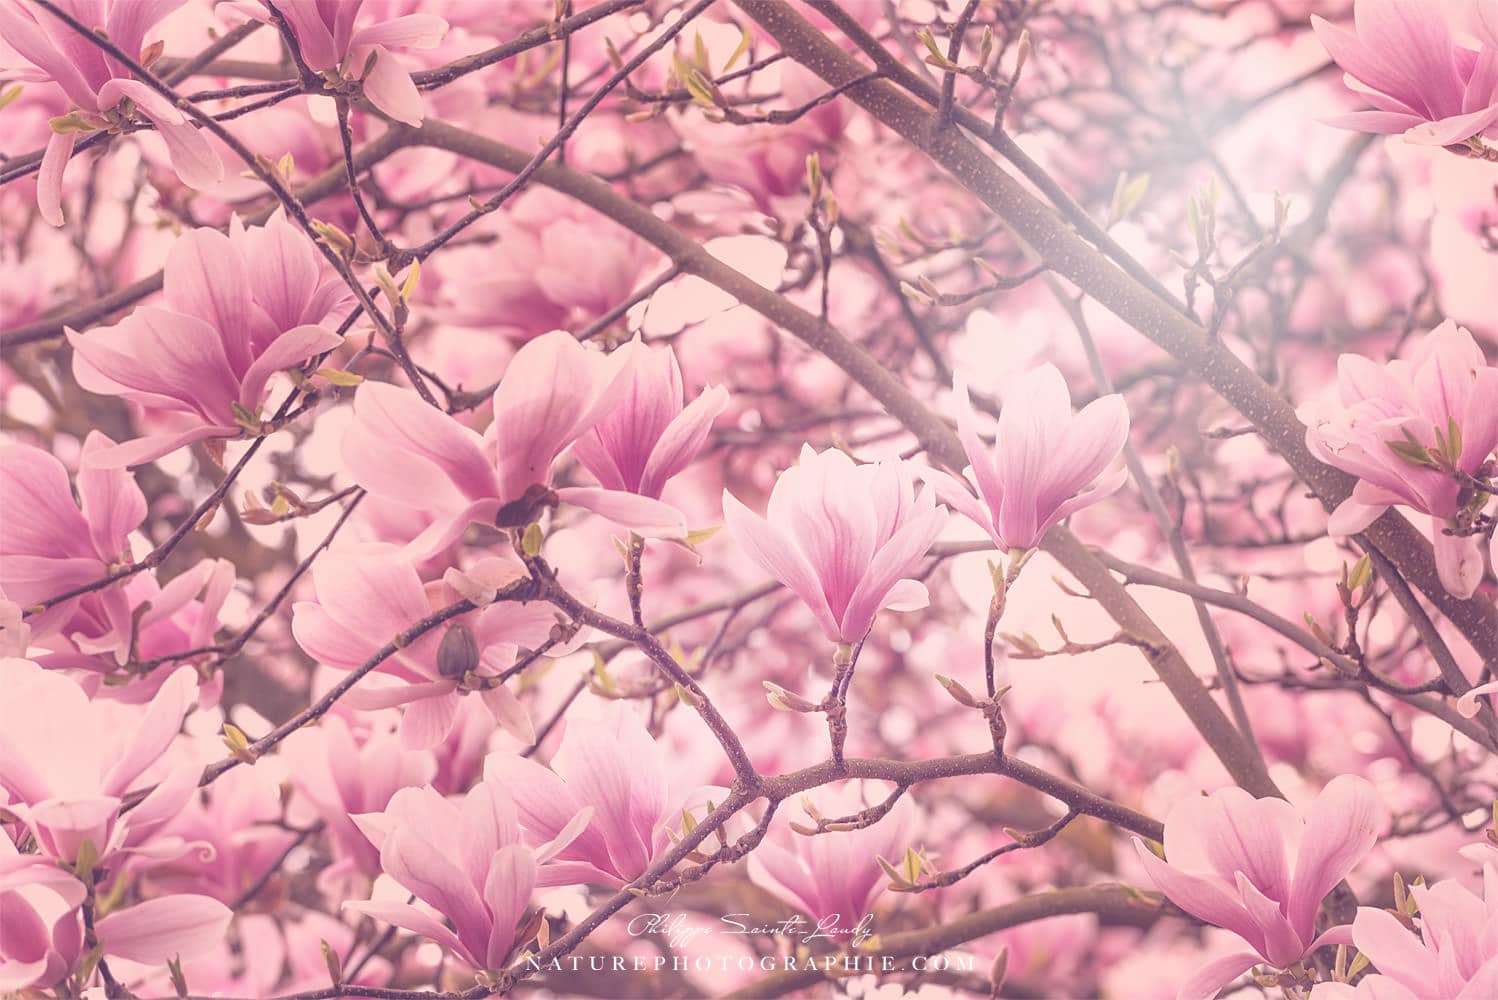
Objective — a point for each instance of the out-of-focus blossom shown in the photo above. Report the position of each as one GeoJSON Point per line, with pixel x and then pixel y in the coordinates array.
{"type": "Point", "coordinates": [1411, 430]}
{"type": "Point", "coordinates": [101, 89]}
{"type": "Point", "coordinates": [537, 285]}
{"type": "Point", "coordinates": [553, 391]}
{"type": "Point", "coordinates": [234, 826]}
{"type": "Point", "coordinates": [465, 860]}
{"type": "Point", "coordinates": [368, 594]}
{"type": "Point", "coordinates": [1256, 868]}
{"type": "Point", "coordinates": [50, 543]}
{"type": "Point", "coordinates": [768, 162]}
{"type": "Point", "coordinates": [206, 359]}
{"type": "Point", "coordinates": [1047, 463]}
{"type": "Point", "coordinates": [41, 930]}
{"type": "Point", "coordinates": [649, 436]}
{"type": "Point", "coordinates": [1402, 57]}
{"type": "Point", "coordinates": [341, 775]}
{"type": "Point", "coordinates": [67, 763]}
{"type": "Point", "coordinates": [610, 766]}
{"type": "Point", "coordinates": [1454, 956]}
{"type": "Point", "coordinates": [842, 537]}
{"type": "Point", "coordinates": [330, 44]}
{"type": "Point", "coordinates": [835, 877]}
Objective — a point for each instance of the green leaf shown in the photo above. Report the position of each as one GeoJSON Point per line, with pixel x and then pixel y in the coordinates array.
{"type": "Point", "coordinates": [1412, 452]}
{"type": "Point", "coordinates": [738, 53]}
{"type": "Point", "coordinates": [530, 542]}
{"type": "Point", "coordinates": [338, 376]}
{"type": "Point", "coordinates": [1127, 195]}
{"type": "Point", "coordinates": [73, 121]}
{"type": "Point", "coordinates": [697, 536]}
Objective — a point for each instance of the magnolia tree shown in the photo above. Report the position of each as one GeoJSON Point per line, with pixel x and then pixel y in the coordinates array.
{"type": "Point", "coordinates": [645, 498]}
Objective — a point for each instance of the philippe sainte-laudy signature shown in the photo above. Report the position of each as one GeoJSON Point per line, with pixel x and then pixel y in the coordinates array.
{"type": "Point", "coordinates": [679, 930]}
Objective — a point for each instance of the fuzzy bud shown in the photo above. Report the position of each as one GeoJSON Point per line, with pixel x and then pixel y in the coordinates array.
{"type": "Point", "coordinates": [459, 652]}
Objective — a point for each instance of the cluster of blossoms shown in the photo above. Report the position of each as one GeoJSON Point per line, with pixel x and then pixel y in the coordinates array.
{"type": "Point", "coordinates": [366, 624]}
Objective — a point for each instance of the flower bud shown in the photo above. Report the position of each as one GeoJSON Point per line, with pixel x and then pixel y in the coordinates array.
{"type": "Point", "coordinates": [459, 652]}
{"type": "Point", "coordinates": [959, 694]}
{"type": "Point", "coordinates": [998, 971]}
{"type": "Point", "coordinates": [787, 701]}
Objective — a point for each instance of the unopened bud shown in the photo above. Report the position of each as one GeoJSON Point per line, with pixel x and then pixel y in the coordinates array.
{"type": "Point", "coordinates": [239, 744]}
{"type": "Point", "coordinates": [960, 694]}
{"type": "Point", "coordinates": [333, 962]}
{"type": "Point", "coordinates": [340, 241]}
{"type": "Point", "coordinates": [998, 971]}
{"type": "Point", "coordinates": [689, 696]}
{"type": "Point", "coordinates": [786, 701]}
{"type": "Point", "coordinates": [459, 652]}
{"type": "Point", "coordinates": [174, 971]}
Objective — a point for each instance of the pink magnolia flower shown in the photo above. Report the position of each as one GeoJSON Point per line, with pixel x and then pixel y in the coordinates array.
{"type": "Point", "coordinates": [465, 860]}
{"type": "Point", "coordinates": [1046, 465]}
{"type": "Point", "coordinates": [158, 930]}
{"type": "Point", "coordinates": [1402, 57]}
{"type": "Point", "coordinates": [67, 763]}
{"type": "Point", "coordinates": [41, 930]}
{"type": "Point", "coordinates": [842, 537]}
{"type": "Point", "coordinates": [1454, 956]}
{"type": "Point", "coordinates": [610, 767]}
{"type": "Point", "coordinates": [50, 543]}
{"type": "Point", "coordinates": [177, 618]}
{"type": "Point", "coordinates": [367, 594]}
{"type": "Point", "coordinates": [207, 357]}
{"type": "Point", "coordinates": [834, 877]}
{"type": "Point", "coordinates": [101, 89]}
{"type": "Point", "coordinates": [1256, 868]}
{"type": "Point", "coordinates": [553, 391]}
{"type": "Point", "coordinates": [1382, 422]}
{"type": "Point", "coordinates": [330, 44]}
{"type": "Point", "coordinates": [649, 436]}
{"type": "Point", "coordinates": [340, 774]}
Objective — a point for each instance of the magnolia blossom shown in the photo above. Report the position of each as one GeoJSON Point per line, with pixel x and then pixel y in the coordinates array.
{"type": "Point", "coordinates": [465, 860]}
{"type": "Point", "coordinates": [834, 878]}
{"type": "Point", "coordinates": [1402, 57]}
{"type": "Point", "coordinates": [41, 927]}
{"type": "Point", "coordinates": [649, 436]}
{"type": "Point", "coordinates": [842, 537]}
{"type": "Point", "coordinates": [328, 43]}
{"type": "Point", "coordinates": [100, 88]}
{"type": "Point", "coordinates": [340, 773]}
{"type": "Point", "coordinates": [1256, 868]}
{"type": "Point", "coordinates": [204, 360]}
{"type": "Point", "coordinates": [553, 391]}
{"type": "Point", "coordinates": [51, 543]}
{"type": "Point", "coordinates": [158, 930]}
{"type": "Point", "coordinates": [67, 763]}
{"type": "Point", "coordinates": [1454, 956]}
{"type": "Point", "coordinates": [168, 621]}
{"type": "Point", "coordinates": [368, 594]}
{"type": "Point", "coordinates": [1410, 430]}
{"type": "Point", "coordinates": [1046, 464]}
{"type": "Point", "coordinates": [41, 931]}
{"type": "Point", "coordinates": [610, 767]}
